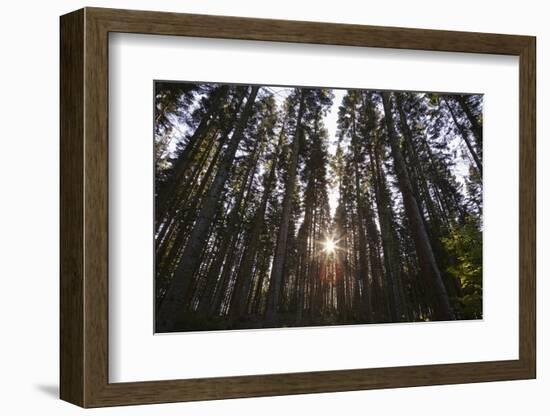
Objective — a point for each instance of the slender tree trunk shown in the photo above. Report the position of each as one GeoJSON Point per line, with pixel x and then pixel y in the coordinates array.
{"type": "Point", "coordinates": [476, 127]}
{"type": "Point", "coordinates": [244, 277]}
{"type": "Point", "coordinates": [435, 228]}
{"type": "Point", "coordinates": [182, 208]}
{"type": "Point", "coordinates": [280, 251]}
{"type": "Point", "coordinates": [228, 232]}
{"type": "Point", "coordinates": [257, 302]}
{"type": "Point", "coordinates": [307, 238]}
{"type": "Point", "coordinates": [378, 289]}
{"type": "Point", "coordinates": [175, 216]}
{"type": "Point", "coordinates": [300, 281]}
{"type": "Point", "coordinates": [363, 274]}
{"type": "Point", "coordinates": [185, 220]}
{"type": "Point", "coordinates": [167, 190]}
{"type": "Point", "coordinates": [178, 295]}
{"type": "Point", "coordinates": [221, 292]}
{"type": "Point", "coordinates": [186, 188]}
{"type": "Point", "coordinates": [391, 287]}
{"type": "Point", "coordinates": [389, 240]}
{"type": "Point", "coordinates": [427, 262]}
{"type": "Point", "coordinates": [417, 166]}
{"type": "Point", "coordinates": [464, 135]}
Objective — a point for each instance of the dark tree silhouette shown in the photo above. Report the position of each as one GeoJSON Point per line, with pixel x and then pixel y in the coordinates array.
{"type": "Point", "coordinates": [311, 206]}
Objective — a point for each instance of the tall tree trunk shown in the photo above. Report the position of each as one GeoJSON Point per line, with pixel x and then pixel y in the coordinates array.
{"type": "Point", "coordinates": [218, 302]}
{"type": "Point", "coordinates": [244, 278]}
{"type": "Point", "coordinates": [178, 295]}
{"type": "Point", "coordinates": [185, 218]}
{"type": "Point", "coordinates": [427, 262]}
{"type": "Point", "coordinates": [476, 127]}
{"type": "Point", "coordinates": [257, 300]}
{"type": "Point", "coordinates": [167, 190]}
{"type": "Point", "coordinates": [363, 273]}
{"type": "Point", "coordinates": [390, 244]}
{"type": "Point", "coordinates": [306, 240]}
{"type": "Point", "coordinates": [229, 232]}
{"type": "Point", "coordinates": [276, 278]}
{"type": "Point", "coordinates": [464, 135]}
{"type": "Point", "coordinates": [435, 227]}
{"type": "Point", "coordinates": [181, 211]}
{"type": "Point", "coordinates": [378, 289]}
{"type": "Point", "coordinates": [385, 306]}
{"type": "Point", "coordinates": [417, 166]}
{"type": "Point", "coordinates": [186, 188]}
{"type": "Point", "coordinates": [180, 216]}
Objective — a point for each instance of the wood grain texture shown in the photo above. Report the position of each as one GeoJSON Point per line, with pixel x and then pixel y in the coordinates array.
{"type": "Point", "coordinates": [527, 208]}
{"type": "Point", "coordinates": [225, 27]}
{"type": "Point", "coordinates": [96, 209]}
{"type": "Point", "coordinates": [84, 207]}
{"type": "Point", "coordinates": [71, 210]}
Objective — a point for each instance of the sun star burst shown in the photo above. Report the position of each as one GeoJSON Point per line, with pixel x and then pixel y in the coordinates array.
{"type": "Point", "coordinates": [329, 246]}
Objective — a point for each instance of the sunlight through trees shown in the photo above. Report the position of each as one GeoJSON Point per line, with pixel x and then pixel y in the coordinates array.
{"type": "Point", "coordinates": [309, 206]}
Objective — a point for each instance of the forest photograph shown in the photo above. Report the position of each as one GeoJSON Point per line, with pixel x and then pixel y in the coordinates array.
{"type": "Point", "coordinates": [290, 206]}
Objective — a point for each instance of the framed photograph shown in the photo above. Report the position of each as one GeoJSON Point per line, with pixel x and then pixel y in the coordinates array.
{"type": "Point", "coordinates": [256, 207]}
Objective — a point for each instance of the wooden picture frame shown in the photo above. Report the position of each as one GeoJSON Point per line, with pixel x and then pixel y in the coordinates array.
{"type": "Point", "coordinates": [84, 207]}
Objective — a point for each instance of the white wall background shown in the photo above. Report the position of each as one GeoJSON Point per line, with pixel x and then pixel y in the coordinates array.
{"type": "Point", "coordinates": [29, 209]}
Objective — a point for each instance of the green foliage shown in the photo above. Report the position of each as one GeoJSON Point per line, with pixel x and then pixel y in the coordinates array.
{"type": "Point", "coordinates": [465, 244]}
{"type": "Point", "coordinates": [252, 181]}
